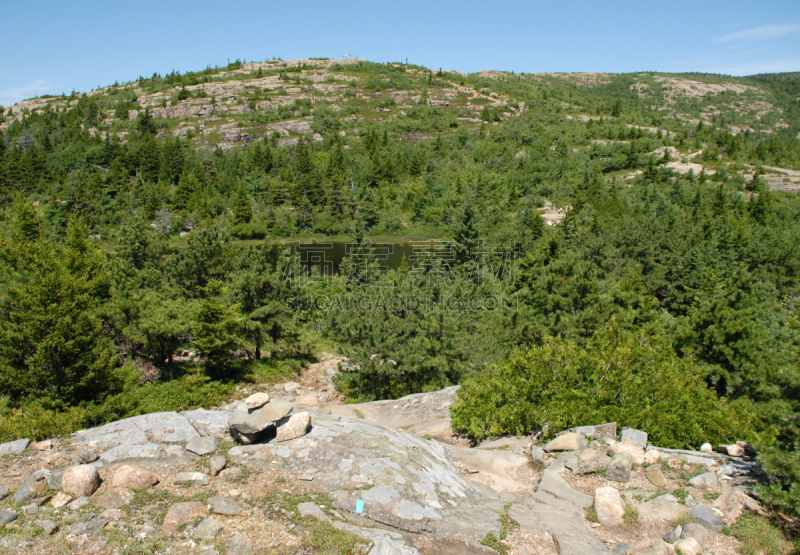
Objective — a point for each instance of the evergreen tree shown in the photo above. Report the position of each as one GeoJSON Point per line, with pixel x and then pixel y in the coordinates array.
{"type": "Point", "coordinates": [465, 233]}
{"type": "Point", "coordinates": [242, 208]}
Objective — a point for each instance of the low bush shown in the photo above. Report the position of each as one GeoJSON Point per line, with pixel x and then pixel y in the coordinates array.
{"type": "Point", "coordinates": [628, 378]}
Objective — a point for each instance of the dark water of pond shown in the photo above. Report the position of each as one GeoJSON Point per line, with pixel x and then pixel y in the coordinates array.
{"type": "Point", "coordinates": [328, 256]}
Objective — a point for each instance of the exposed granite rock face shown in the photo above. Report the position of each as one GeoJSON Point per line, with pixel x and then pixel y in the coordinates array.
{"type": "Point", "coordinates": [158, 427]}
{"type": "Point", "coordinates": [406, 482]}
{"type": "Point", "coordinates": [420, 413]}
{"type": "Point", "coordinates": [557, 509]}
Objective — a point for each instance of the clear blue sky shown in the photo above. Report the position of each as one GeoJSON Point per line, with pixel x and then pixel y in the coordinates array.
{"type": "Point", "coordinates": [56, 46]}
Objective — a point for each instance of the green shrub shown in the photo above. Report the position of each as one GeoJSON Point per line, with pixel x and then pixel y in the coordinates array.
{"type": "Point", "coordinates": [631, 379]}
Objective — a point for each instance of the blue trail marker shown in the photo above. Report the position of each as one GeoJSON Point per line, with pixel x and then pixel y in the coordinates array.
{"type": "Point", "coordinates": [359, 506]}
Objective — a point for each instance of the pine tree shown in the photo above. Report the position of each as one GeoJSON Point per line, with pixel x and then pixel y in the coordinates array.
{"type": "Point", "coordinates": [465, 233]}
{"type": "Point", "coordinates": [215, 326]}
{"type": "Point", "coordinates": [242, 208]}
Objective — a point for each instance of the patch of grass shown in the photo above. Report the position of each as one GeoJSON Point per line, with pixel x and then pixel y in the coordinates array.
{"type": "Point", "coordinates": [359, 414]}
{"type": "Point", "coordinates": [682, 519]}
{"type": "Point", "coordinates": [493, 541]}
{"type": "Point", "coordinates": [681, 494]}
{"type": "Point", "coordinates": [631, 515]}
{"type": "Point", "coordinates": [142, 547]}
{"type": "Point", "coordinates": [759, 536]}
{"type": "Point", "coordinates": [591, 514]}
{"type": "Point", "coordinates": [711, 496]}
{"type": "Point", "coordinates": [324, 538]}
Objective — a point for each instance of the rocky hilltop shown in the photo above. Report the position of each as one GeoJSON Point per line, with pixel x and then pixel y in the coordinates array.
{"type": "Point", "coordinates": [308, 474]}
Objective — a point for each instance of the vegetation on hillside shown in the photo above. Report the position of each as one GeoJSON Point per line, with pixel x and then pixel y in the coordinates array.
{"type": "Point", "coordinates": [661, 298]}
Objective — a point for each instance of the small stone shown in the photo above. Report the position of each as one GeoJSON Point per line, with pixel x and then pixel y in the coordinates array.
{"type": "Point", "coordinates": [28, 491]}
{"type": "Point", "coordinates": [230, 474]}
{"type": "Point", "coordinates": [224, 506]}
{"type": "Point", "coordinates": [202, 445]}
{"type": "Point", "coordinates": [655, 476]}
{"type": "Point", "coordinates": [609, 507]}
{"type": "Point", "coordinates": [291, 387]}
{"type": "Point", "coordinates": [60, 499]}
{"type": "Point", "coordinates": [182, 513]}
{"type": "Point", "coordinates": [638, 437]}
{"type": "Point", "coordinates": [133, 477]}
{"type": "Point", "coordinates": [622, 548]}
{"type": "Point", "coordinates": [7, 517]}
{"type": "Point", "coordinates": [706, 516]}
{"type": "Point", "coordinates": [240, 545]}
{"type": "Point", "coordinates": [81, 480]}
{"type": "Point", "coordinates": [707, 480]}
{"type": "Point", "coordinates": [234, 493]}
{"type": "Point", "coordinates": [619, 469]}
{"type": "Point", "coordinates": [88, 456]}
{"type": "Point", "coordinates": [45, 445]}
{"type": "Point", "coordinates": [673, 535]}
{"type": "Point", "coordinates": [676, 464]}
{"type": "Point", "coordinates": [257, 400]}
{"type": "Point", "coordinates": [3, 492]}
{"type": "Point", "coordinates": [537, 456]}
{"type": "Point", "coordinates": [194, 478]}
{"type": "Point", "coordinates": [568, 442]}
{"type": "Point", "coordinates": [114, 515]}
{"type": "Point", "coordinates": [690, 500]}
{"type": "Point", "coordinates": [31, 509]}
{"type": "Point", "coordinates": [706, 448]}
{"type": "Point", "coordinates": [636, 452]}
{"type": "Point", "coordinates": [207, 530]}
{"type": "Point", "coordinates": [49, 527]}
{"type": "Point", "coordinates": [313, 510]}
{"type": "Point", "coordinates": [78, 503]}
{"type": "Point", "coordinates": [90, 528]}
{"type": "Point", "coordinates": [217, 464]}
{"type": "Point", "coordinates": [695, 531]}
{"type": "Point", "coordinates": [112, 500]}
{"type": "Point", "coordinates": [688, 547]}
{"type": "Point", "coordinates": [732, 450]}
{"type": "Point", "coordinates": [292, 427]}
{"type": "Point", "coordinates": [652, 456]}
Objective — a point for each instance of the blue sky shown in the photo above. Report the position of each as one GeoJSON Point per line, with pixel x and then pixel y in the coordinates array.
{"type": "Point", "coordinates": [52, 46]}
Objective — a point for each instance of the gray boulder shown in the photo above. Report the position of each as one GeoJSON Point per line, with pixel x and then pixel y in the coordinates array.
{"type": "Point", "coordinates": [208, 529]}
{"type": "Point", "coordinates": [224, 506]}
{"type": "Point", "coordinates": [202, 445]}
{"type": "Point", "coordinates": [707, 517]}
{"type": "Point", "coordinates": [637, 436]}
{"type": "Point", "coordinates": [7, 516]}
{"type": "Point", "coordinates": [695, 531]}
{"type": "Point", "coordinates": [194, 478]}
{"type": "Point", "coordinates": [48, 526]}
{"type": "Point", "coordinates": [707, 480]}
{"type": "Point", "coordinates": [15, 447]}
{"type": "Point", "coordinates": [90, 528]}
{"type": "Point", "coordinates": [28, 491]}
{"type": "Point", "coordinates": [246, 425]}
{"type": "Point", "coordinates": [619, 469]}
{"type": "Point", "coordinates": [216, 464]}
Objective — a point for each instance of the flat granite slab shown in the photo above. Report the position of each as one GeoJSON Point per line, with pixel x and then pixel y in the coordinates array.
{"type": "Point", "coordinates": [404, 481]}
